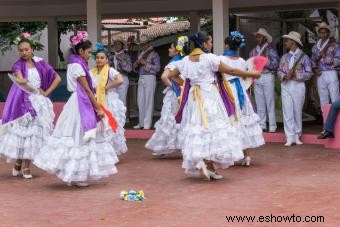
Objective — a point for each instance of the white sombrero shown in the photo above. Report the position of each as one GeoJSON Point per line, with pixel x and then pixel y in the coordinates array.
{"type": "Point", "coordinates": [295, 36]}
{"type": "Point", "coordinates": [144, 38]}
{"type": "Point", "coordinates": [264, 33]}
{"type": "Point", "coordinates": [121, 40]}
{"type": "Point", "coordinates": [325, 26]}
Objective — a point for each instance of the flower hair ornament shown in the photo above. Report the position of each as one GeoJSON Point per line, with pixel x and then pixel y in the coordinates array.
{"type": "Point", "coordinates": [182, 41]}
{"type": "Point", "coordinates": [34, 43]}
{"type": "Point", "coordinates": [237, 36]}
{"type": "Point", "coordinates": [99, 47]}
{"type": "Point", "coordinates": [80, 37]}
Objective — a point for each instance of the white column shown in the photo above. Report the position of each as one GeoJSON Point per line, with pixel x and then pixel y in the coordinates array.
{"type": "Point", "coordinates": [220, 12]}
{"type": "Point", "coordinates": [195, 22]}
{"type": "Point", "coordinates": [52, 37]}
{"type": "Point", "coordinates": [93, 9]}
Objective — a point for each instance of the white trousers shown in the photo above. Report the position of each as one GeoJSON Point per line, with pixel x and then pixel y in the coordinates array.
{"type": "Point", "coordinates": [264, 89]}
{"type": "Point", "coordinates": [122, 90]}
{"type": "Point", "coordinates": [145, 99]}
{"type": "Point", "coordinates": [328, 87]}
{"type": "Point", "coordinates": [293, 98]}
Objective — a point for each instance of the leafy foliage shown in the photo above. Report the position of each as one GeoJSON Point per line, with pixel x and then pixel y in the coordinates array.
{"type": "Point", "coordinates": [10, 30]}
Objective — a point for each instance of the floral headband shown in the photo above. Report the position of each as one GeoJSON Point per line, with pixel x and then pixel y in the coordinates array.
{"type": "Point", "coordinates": [100, 47]}
{"type": "Point", "coordinates": [81, 36]}
{"type": "Point", "coordinates": [236, 35]}
{"type": "Point", "coordinates": [182, 41]}
{"type": "Point", "coordinates": [34, 43]}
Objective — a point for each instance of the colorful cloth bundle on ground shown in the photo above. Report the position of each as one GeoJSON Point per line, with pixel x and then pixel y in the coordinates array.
{"type": "Point", "coordinates": [132, 195]}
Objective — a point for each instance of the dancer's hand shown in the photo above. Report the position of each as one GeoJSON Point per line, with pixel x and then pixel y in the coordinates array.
{"type": "Point", "coordinates": [100, 113]}
{"type": "Point", "coordinates": [43, 93]}
{"type": "Point", "coordinates": [257, 74]}
{"type": "Point", "coordinates": [22, 81]}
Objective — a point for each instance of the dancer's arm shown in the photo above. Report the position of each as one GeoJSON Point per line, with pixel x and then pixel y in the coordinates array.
{"type": "Point", "coordinates": [224, 68]}
{"type": "Point", "coordinates": [178, 80]}
{"type": "Point", "coordinates": [21, 79]}
{"type": "Point", "coordinates": [83, 82]}
{"type": "Point", "coordinates": [53, 86]}
{"type": "Point", "coordinates": [115, 83]}
{"type": "Point", "coordinates": [169, 74]}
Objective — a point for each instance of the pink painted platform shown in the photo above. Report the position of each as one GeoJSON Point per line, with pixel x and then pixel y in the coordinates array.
{"type": "Point", "coordinates": [269, 137]}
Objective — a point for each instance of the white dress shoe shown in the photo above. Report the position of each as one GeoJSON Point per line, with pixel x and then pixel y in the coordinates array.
{"type": "Point", "coordinates": [78, 184]}
{"type": "Point", "coordinates": [298, 141]}
{"type": "Point", "coordinates": [26, 176]}
{"type": "Point", "coordinates": [203, 168]}
{"type": "Point", "coordinates": [246, 161]}
{"type": "Point", "coordinates": [137, 127]}
{"type": "Point", "coordinates": [289, 143]}
{"type": "Point", "coordinates": [158, 155]}
{"type": "Point", "coordinates": [215, 176]}
{"type": "Point", "coordinates": [15, 172]}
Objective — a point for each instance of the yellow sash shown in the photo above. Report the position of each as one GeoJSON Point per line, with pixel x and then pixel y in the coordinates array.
{"type": "Point", "coordinates": [197, 95]}
{"type": "Point", "coordinates": [229, 91]}
{"type": "Point", "coordinates": [102, 78]}
{"type": "Point", "coordinates": [196, 51]}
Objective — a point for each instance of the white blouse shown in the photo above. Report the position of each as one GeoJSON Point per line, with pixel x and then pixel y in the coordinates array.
{"type": "Point", "coordinates": [238, 63]}
{"type": "Point", "coordinates": [33, 78]}
{"type": "Point", "coordinates": [74, 71]}
{"type": "Point", "coordinates": [112, 76]}
{"type": "Point", "coordinates": [201, 72]}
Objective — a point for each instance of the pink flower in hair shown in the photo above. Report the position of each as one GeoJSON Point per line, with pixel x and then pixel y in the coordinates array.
{"type": "Point", "coordinates": [75, 40]}
{"type": "Point", "coordinates": [83, 35]}
{"type": "Point", "coordinates": [26, 34]}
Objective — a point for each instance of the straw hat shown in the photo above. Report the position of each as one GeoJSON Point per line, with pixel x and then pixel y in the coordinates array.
{"type": "Point", "coordinates": [264, 33]}
{"type": "Point", "coordinates": [121, 40]}
{"type": "Point", "coordinates": [144, 38]}
{"type": "Point", "coordinates": [295, 36]}
{"type": "Point", "coordinates": [325, 26]}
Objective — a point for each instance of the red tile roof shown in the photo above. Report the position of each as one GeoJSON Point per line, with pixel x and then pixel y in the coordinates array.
{"type": "Point", "coordinates": [153, 31]}
{"type": "Point", "coordinates": [133, 21]}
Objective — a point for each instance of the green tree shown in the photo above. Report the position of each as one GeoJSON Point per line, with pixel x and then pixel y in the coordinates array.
{"type": "Point", "coordinates": [10, 30]}
{"type": "Point", "coordinates": [63, 28]}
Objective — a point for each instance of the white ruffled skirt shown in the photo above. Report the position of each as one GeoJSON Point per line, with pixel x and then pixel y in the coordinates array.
{"type": "Point", "coordinates": [220, 142]}
{"type": "Point", "coordinates": [68, 156]}
{"type": "Point", "coordinates": [118, 109]}
{"type": "Point", "coordinates": [25, 136]}
{"type": "Point", "coordinates": [247, 122]}
{"type": "Point", "coordinates": [165, 140]}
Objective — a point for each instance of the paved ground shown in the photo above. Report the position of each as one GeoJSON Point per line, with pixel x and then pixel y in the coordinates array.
{"type": "Point", "coordinates": [300, 180]}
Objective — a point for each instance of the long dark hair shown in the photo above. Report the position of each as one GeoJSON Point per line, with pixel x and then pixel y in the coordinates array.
{"type": "Point", "coordinates": [234, 44]}
{"type": "Point", "coordinates": [82, 45]}
{"type": "Point", "coordinates": [199, 38]}
{"type": "Point", "coordinates": [104, 52]}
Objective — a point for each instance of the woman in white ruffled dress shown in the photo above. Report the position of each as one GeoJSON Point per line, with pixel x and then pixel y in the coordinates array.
{"type": "Point", "coordinates": [209, 140]}
{"type": "Point", "coordinates": [106, 79]}
{"type": "Point", "coordinates": [165, 139]}
{"type": "Point", "coordinates": [246, 119]}
{"type": "Point", "coordinates": [27, 119]}
{"type": "Point", "coordinates": [80, 147]}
